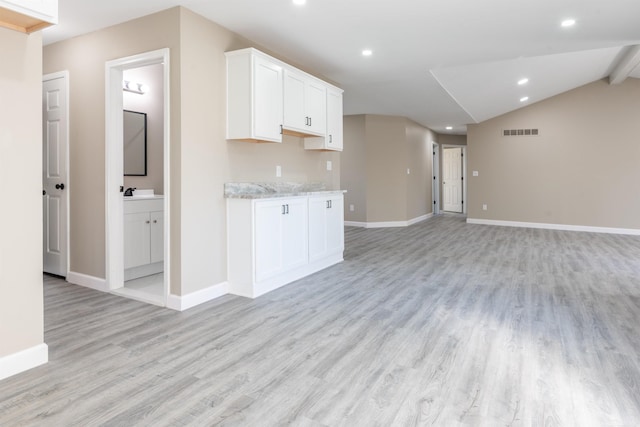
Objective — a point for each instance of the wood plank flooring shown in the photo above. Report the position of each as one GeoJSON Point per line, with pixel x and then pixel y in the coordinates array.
{"type": "Point", "coordinates": [442, 323]}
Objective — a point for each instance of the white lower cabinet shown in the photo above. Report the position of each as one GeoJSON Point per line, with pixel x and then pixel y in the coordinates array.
{"type": "Point", "coordinates": [326, 226]}
{"type": "Point", "coordinates": [280, 236]}
{"type": "Point", "coordinates": [143, 238]}
{"type": "Point", "coordinates": [272, 242]}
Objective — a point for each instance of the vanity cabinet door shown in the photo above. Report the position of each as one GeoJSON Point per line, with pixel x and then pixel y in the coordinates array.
{"type": "Point", "coordinates": [157, 236]}
{"type": "Point", "coordinates": [137, 227]}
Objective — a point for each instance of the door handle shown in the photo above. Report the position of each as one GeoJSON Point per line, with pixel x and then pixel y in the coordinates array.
{"type": "Point", "coordinates": [60, 186]}
{"type": "Point", "coordinates": [44, 193]}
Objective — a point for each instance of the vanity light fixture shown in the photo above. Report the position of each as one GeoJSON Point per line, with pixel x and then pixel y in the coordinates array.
{"type": "Point", "coordinates": [138, 88]}
{"type": "Point", "coordinates": [367, 52]}
{"type": "Point", "coordinates": [523, 81]}
{"type": "Point", "coordinates": [568, 22]}
{"type": "Point", "coordinates": [524, 99]}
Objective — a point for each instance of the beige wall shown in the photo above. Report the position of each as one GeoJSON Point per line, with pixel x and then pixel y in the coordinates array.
{"type": "Point", "coordinates": [581, 170]}
{"type": "Point", "coordinates": [353, 170]}
{"type": "Point", "coordinates": [152, 104]}
{"type": "Point", "coordinates": [85, 58]}
{"type": "Point", "coordinates": [378, 152]}
{"type": "Point", "coordinates": [21, 307]}
{"type": "Point", "coordinates": [201, 159]}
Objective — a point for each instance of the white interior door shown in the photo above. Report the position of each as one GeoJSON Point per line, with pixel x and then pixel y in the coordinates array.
{"type": "Point", "coordinates": [55, 183]}
{"type": "Point", "coordinates": [452, 179]}
{"type": "Point", "coordinates": [436, 178]}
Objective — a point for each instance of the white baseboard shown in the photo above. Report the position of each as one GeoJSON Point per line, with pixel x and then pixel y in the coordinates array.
{"type": "Point", "coordinates": [24, 360]}
{"type": "Point", "coordinates": [563, 227]}
{"type": "Point", "coordinates": [88, 281]}
{"type": "Point", "coordinates": [386, 224]}
{"type": "Point", "coordinates": [185, 302]}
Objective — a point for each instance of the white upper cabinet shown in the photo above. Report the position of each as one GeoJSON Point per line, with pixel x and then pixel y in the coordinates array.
{"type": "Point", "coordinates": [28, 16]}
{"type": "Point", "coordinates": [267, 98]}
{"type": "Point", "coordinates": [305, 104]}
{"type": "Point", "coordinates": [332, 140]}
{"type": "Point", "coordinates": [254, 97]}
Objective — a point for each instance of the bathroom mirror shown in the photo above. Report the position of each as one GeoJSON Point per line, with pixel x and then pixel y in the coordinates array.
{"type": "Point", "coordinates": [135, 143]}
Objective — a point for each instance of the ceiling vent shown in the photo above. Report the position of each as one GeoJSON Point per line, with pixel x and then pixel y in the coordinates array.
{"type": "Point", "coordinates": [520, 132]}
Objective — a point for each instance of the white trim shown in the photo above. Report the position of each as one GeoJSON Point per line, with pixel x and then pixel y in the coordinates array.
{"type": "Point", "coordinates": [185, 302]}
{"type": "Point", "coordinates": [435, 172]}
{"type": "Point", "coordinates": [464, 174]}
{"type": "Point", "coordinates": [65, 76]}
{"type": "Point", "coordinates": [24, 360]}
{"type": "Point", "coordinates": [114, 227]}
{"type": "Point", "coordinates": [87, 281]}
{"type": "Point", "coordinates": [563, 227]}
{"type": "Point", "coordinates": [388, 224]}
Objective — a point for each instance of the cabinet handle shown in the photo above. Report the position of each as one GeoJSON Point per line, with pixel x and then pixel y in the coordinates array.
{"type": "Point", "coordinates": [281, 130]}
{"type": "Point", "coordinates": [330, 139]}
{"type": "Point", "coordinates": [309, 121]}
{"type": "Point", "coordinates": [284, 211]}
{"type": "Point", "coordinates": [287, 209]}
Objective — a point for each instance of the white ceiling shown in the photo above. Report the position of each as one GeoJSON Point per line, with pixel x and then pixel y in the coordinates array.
{"type": "Point", "coordinates": [438, 62]}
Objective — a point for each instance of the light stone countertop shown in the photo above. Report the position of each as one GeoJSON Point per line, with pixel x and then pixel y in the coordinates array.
{"type": "Point", "coordinates": [267, 190]}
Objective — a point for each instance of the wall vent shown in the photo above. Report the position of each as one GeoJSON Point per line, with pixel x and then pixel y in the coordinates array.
{"type": "Point", "coordinates": [520, 132]}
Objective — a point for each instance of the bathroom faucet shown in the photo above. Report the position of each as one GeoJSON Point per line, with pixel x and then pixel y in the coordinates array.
{"type": "Point", "coordinates": [129, 191]}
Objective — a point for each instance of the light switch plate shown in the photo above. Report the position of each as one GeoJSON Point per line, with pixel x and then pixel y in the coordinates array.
{"type": "Point", "coordinates": [408, 171]}
{"type": "Point", "coordinates": [475, 173]}
{"type": "Point", "coordinates": [329, 165]}
{"type": "Point", "coordinates": [484, 207]}
{"type": "Point", "coordinates": [278, 171]}
{"type": "Point", "coordinates": [352, 208]}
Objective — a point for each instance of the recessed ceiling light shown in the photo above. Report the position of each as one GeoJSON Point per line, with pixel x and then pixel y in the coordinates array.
{"type": "Point", "coordinates": [449, 127]}
{"type": "Point", "coordinates": [367, 52]}
{"type": "Point", "coordinates": [524, 99]}
{"type": "Point", "coordinates": [568, 23]}
{"type": "Point", "coordinates": [299, 2]}
{"type": "Point", "coordinates": [523, 81]}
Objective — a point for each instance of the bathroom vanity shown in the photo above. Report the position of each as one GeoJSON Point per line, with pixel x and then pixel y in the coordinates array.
{"type": "Point", "coordinates": [143, 236]}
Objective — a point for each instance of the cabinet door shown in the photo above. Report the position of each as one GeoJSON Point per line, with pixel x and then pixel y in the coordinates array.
{"type": "Point", "coordinates": [318, 207]}
{"type": "Point", "coordinates": [335, 225]}
{"type": "Point", "coordinates": [334, 120]}
{"type": "Point", "coordinates": [157, 236]}
{"type": "Point", "coordinates": [295, 250]}
{"type": "Point", "coordinates": [267, 102]}
{"type": "Point", "coordinates": [316, 107]}
{"type": "Point", "coordinates": [295, 116]}
{"type": "Point", "coordinates": [136, 239]}
{"type": "Point", "coordinates": [268, 238]}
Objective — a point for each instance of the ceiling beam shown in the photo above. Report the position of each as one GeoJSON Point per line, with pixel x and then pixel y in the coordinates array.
{"type": "Point", "coordinates": [625, 66]}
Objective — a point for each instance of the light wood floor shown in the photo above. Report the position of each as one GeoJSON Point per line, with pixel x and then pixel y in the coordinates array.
{"type": "Point", "coordinates": [441, 323]}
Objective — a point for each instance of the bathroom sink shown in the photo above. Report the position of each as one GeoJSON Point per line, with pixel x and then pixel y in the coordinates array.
{"type": "Point", "coordinates": [141, 194]}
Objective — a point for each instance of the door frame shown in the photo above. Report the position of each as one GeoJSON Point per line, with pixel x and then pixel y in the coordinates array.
{"type": "Point", "coordinates": [114, 227]}
{"type": "Point", "coordinates": [64, 74]}
{"type": "Point", "coordinates": [464, 173]}
{"type": "Point", "coordinates": [435, 182]}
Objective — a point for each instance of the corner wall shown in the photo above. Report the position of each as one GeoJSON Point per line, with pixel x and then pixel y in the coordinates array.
{"type": "Point", "coordinates": [581, 170]}
{"type": "Point", "coordinates": [21, 300]}
{"type": "Point", "coordinates": [386, 170]}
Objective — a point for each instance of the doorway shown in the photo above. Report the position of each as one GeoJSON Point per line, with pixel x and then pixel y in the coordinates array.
{"type": "Point", "coordinates": [435, 182]}
{"type": "Point", "coordinates": [153, 204]}
{"type": "Point", "coordinates": [55, 173]}
{"type": "Point", "coordinates": [453, 173]}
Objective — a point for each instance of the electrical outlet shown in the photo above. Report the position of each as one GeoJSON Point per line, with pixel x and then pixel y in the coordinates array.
{"type": "Point", "coordinates": [329, 165]}
{"type": "Point", "coordinates": [475, 173]}
{"type": "Point", "coordinates": [484, 207]}
{"type": "Point", "coordinates": [352, 208]}
{"type": "Point", "coordinates": [278, 171]}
